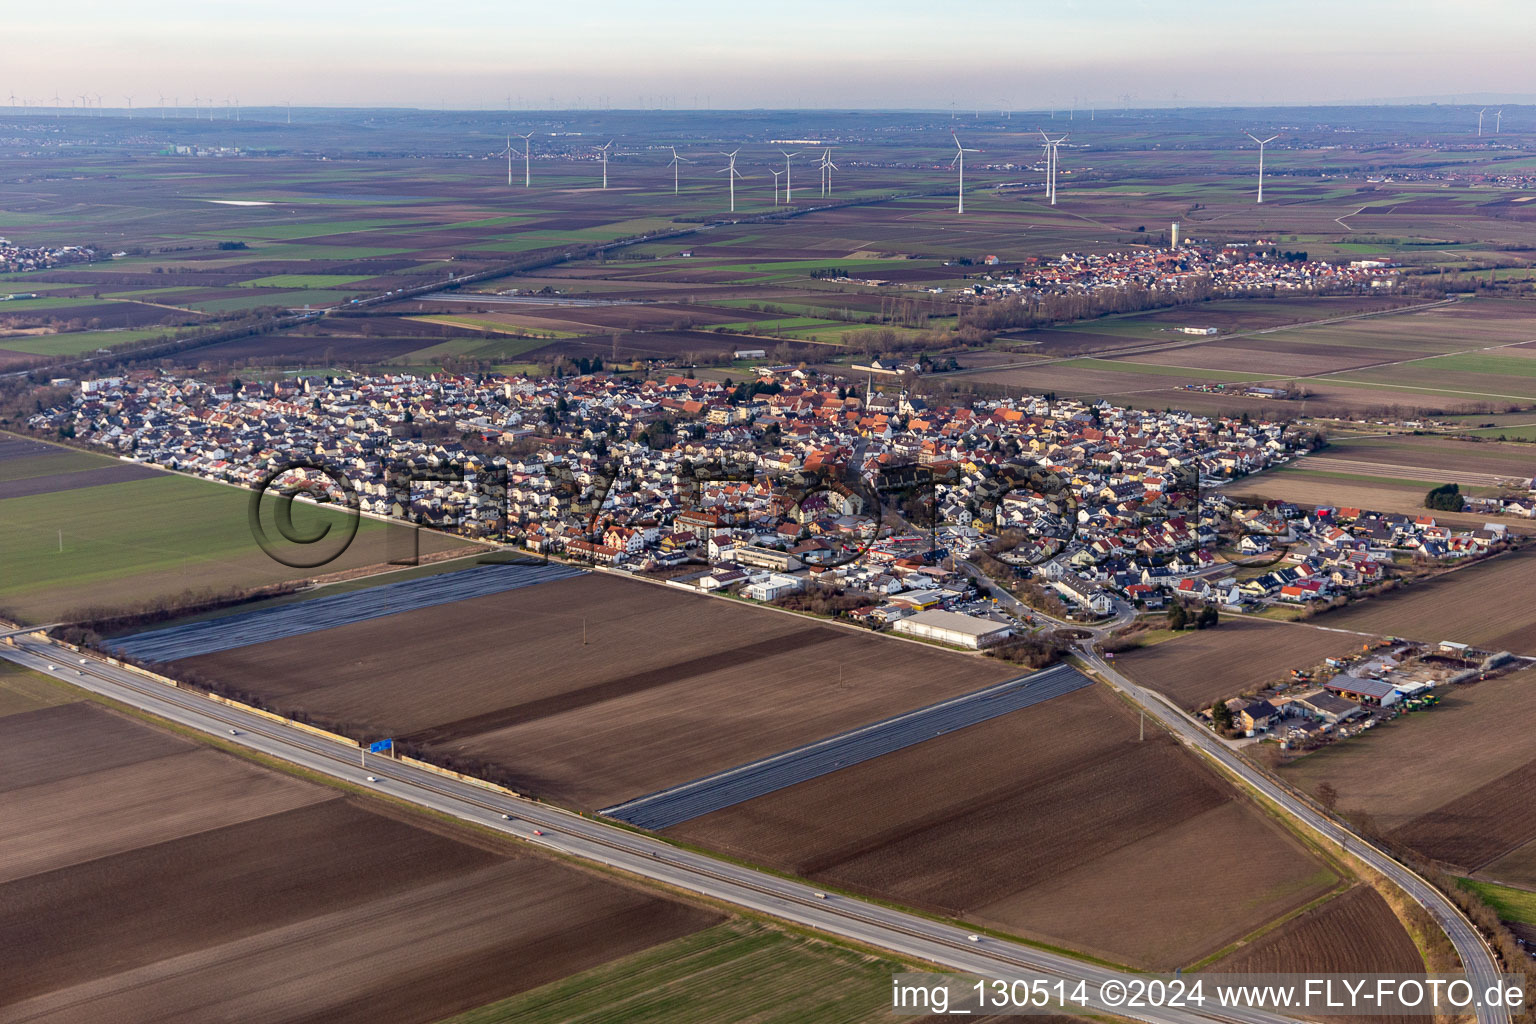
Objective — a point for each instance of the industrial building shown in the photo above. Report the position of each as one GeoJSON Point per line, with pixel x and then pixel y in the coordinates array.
{"type": "Point", "coordinates": [953, 628]}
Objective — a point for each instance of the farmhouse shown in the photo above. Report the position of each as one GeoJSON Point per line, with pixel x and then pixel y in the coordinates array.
{"type": "Point", "coordinates": [953, 628]}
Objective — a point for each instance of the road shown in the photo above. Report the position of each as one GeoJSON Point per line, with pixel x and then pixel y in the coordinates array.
{"type": "Point", "coordinates": [1124, 612]}
{"type": "Point", "coordinates": [564, 832]}
{"type": "Point", "coordinates": [1476, 958]}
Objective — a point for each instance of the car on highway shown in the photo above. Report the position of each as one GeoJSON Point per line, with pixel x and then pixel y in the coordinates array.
{"type": "Point", "coordinates": [538, 832]}
{"type": "Point", "coordinates": [234, 732]}
{"type": "Point", "coordinates": [506, 817]}
{"type": "Point", "coordinates": [973, 938]}
{"type": "Point", "coordinates": [372, 779]}
{"type": "Point", "coordinates": [820, 895]}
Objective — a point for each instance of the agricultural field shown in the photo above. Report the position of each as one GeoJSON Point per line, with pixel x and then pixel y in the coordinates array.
{"type": "Point", "coordinates": [288, 896]}
{"type": "Point", "coordinates": [22, 690]}
{"type": "Point", "coordinates": [1074, 833]}
{"type": "Point", "coordinates": [596, 689]}
{"type": "Point", "coordinates": [1240, 654]}
{"type": "Point", "coordinates": [1436, 459]}
{"type": "Point", "coordinates": [1515, 905]}
{"type": "Point", "coordinates": [1353, 933]}
{"type": "Point", "coordinates": [1454, 783]}
{"type": "Point", "coordinates": [1486, 604]}
{"type": "Point", "coordinates": [1356, 356]}
{"type": "Point", "coordinates": [758, 973]}
{"type": "Point", "coordinates": [80, 536]}
{"type": "Point", "coordinates": [1311, 482]}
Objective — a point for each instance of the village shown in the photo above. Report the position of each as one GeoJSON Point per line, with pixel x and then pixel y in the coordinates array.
{"type": "Point", "coordinates": [1021, 513]}
{"type": "Point", "coordinates": [15, 257]}
{"type": "Point", "coordinates": [1224, 269]}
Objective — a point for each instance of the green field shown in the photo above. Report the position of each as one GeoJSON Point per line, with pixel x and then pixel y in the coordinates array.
{"type": "Point", "coordinates": [132, 541]}
{"type": "Point", "coordinates": [76, 342]}
{"type": "Point", "coordinates": [736, 971]}
{"type": "Point", "coordinates": [62, 460]}
{"type": "Point", "coordinates": [25, 690]}
{"type": "Point", "coordinates": [305, 281]}
{"type": "Point", "coordinates": [263, 297]}
{"type": "Point", "coordinates": [1511, 904]}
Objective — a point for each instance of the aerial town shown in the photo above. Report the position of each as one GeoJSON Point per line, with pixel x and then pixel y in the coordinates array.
{"type": "Point", "coordinates": [651, 475]}
{"type": "Point", "coordinates": [821, 513]}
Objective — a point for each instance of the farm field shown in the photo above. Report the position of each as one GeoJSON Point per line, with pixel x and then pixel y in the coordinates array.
{"type": "Point", "coordinates": [745, 970]}
{"type": "Point", "coordinates": [21, 690]}
{"type": "Point", "coordinates": [1453, 782]}
{"type": "Point", "coordinates": [670, 686]}
{"type": "Point", "coordinates": [1353, 933]}
{"type": "Point", "coordinates": [136, 540]}
{"type": "Point", "coordinates": [1430, 458]}
{"type": "Point", "coordinates": [1418, 359]}
{"type": "Point", "coordinates": [1517, 905]}
{"type": "Point", "coordinates": [1075, 833]}
{"type": "Point", "coordinates": [1485, 604]}
{"type": "Point", "coordinates": [1309, 482]}
{"type": "Point", "coordinates": [1240, 654]}
{"type": "Point", "coordinates": [291, 899]}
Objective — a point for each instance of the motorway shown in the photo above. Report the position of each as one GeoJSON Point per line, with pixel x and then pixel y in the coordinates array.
{"type": "Point", "coordinates": [744, 782]}
{"type": "Point", "coordinates": [288, 620]}
{"type": "Point", "coordinates": [1476, 958]}
{"type": "Point", "coordinates": [564, 832]}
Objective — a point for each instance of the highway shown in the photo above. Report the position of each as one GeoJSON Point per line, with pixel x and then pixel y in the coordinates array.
{"type": "Point", "coordinates": [689, 800]}
{"type": "Point", "coordinates": [564, 832]}
{"type": "Point", "coordinates": [1476, 958]}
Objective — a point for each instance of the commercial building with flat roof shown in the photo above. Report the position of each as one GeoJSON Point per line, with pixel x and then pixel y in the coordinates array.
{"type": "Point", "coordinates": [953, 628]}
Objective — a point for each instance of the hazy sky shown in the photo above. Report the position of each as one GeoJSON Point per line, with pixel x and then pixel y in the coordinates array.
{"type": "Point", "coordinates": [889, 53]}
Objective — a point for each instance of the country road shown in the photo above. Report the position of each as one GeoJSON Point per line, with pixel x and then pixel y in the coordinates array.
{"type": "Point", "coordinates": [1476, 958]}
{"type": "Point", "coordinates": [570, 834]}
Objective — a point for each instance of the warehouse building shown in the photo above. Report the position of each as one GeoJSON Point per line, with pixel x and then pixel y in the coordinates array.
{"type": "Point", "coordinates": [953, 628]}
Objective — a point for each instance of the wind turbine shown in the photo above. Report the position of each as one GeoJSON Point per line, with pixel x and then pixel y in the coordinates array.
{"type": "Point", "coordinates": [676, 160]}
{"type": "Point", "coordinates": [130, 106]}
{"type": "Point", "coordinates": [13, 99]}
{"type": "Point", "coordinates": [789, 194]}
{"type": "Point", "coordinates": [289, 104]}
{"type": "Point", "coordinates": [731, 174]}
{"type": "Point", "coordinates": [162, 106]}
{"type": "Point", "coordinates": [1052, 149]}
{"type": "Point", "coordinates": [604, 150]}
{"type": "Point", "coordinates": [960, 152]}
{"type": "Point", "coordinates": [1480, 114]}
{"type": "Point", "coordinates": [827, 167]}
{"type": "Point", "coordinates": [1262, 143]}
{"type": "Point", "coordinates": [527, 171]}
{"type": "Point", "coordinates": [775, 184]}
{"type": "Point", "coordinates": [508, 154]}
{"type": "Point", "coordinates": [1498, 121]}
